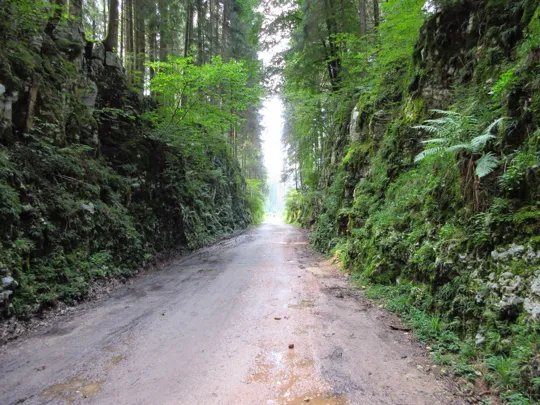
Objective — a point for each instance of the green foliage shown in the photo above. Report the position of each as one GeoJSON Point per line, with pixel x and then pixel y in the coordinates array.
{"type": "Point", "coordinates": [506, 370]}
{"type": "Point", "coordinates": [79, 219]}
{"type": "Point", "coordinates": [505, 83]}
{"type": "Point", "coordinates": [388, 53]}
{"type": "Point", "coordinates": [522, 165]}
{"type": "Point", "coordinates": [454, 134]}
{"type": "Point", "coordinates": [210, 96]}
{"type": "Point", "coordinates": [70, 216]}
{"type": "Point", "coordinates": [256, 191]}
{"type": "Point", "coordinates": [300, 208]}
{"type": "Point", "coordinates": [25, 17]}
{"type": "Point", "coordinates": [421, 236]}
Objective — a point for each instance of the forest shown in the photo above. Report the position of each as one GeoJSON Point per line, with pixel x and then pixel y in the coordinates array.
{"type": "Point", "coordinates": [131, 128]}
{"type": "Point", "coordinates": [412, 145]}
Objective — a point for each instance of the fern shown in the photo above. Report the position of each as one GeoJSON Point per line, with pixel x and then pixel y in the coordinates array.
{"type": "Point", "coordinates": [455, 133]}
{"type": "Point", "coordinates": [486, 164]}
{"type": "Point", "coordinates": [478, 143]}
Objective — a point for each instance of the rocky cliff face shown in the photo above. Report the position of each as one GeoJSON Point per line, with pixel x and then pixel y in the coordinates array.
{"type": "Point", "coordinates": [472, 256]}
{"type": "Point", "coordinates": [86, 191]}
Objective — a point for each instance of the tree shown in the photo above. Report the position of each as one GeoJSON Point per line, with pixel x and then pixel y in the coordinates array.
{"type": "Point", "coordinates": [140, 43]}
{"type": "Point", "coordinates": [362, 16]}
{"type": "Point", "coordinates": [146, 32]}
{"type": "Point", "coordinates": [163, 30]}
{"type": "Point", "coordinates": [111, 41]}
{"type": "Point", "coordinates": [376, 13]}
{"type": "Point", "coordinates": [185, 89]}
{"type": "Point", "coordinates": [188, 36]}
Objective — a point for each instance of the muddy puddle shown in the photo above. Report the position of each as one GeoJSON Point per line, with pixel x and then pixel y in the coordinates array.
{"type": "Point", "coordinates": [290, 375]}
{"type": "Point", "coordinates": [73, 389]}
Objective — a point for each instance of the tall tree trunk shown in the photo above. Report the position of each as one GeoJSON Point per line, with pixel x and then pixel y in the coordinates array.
{"type": "Point", "coordinates": [362, 15]}
{"type": "Point", "coordinates": [105, 19]}
{"type": "Point", "coordinates": [152, 51]}
{"type": "Point", "coordinates": [200, 23]}
{"type": "Point", "coordinates": [140, 37]}
{"type": "Point", "coordinates": [211, 28]}
{"type": "Point", "coordinates": [111, 41]}
{"type": "Point", "coordinates": [376, 13]}
{"type": "Point", "coordinates": [142, 49]}
{"type": "Point", "coordinates": [122, 19]}
{"type": "Point", "coordinates": [342, 19]}
{"type": "Point", "coordinates": [163, 30]}
{"type": "Point", "coordinates": [129, 39]}
{"type": "Point", "coordinates": [225, 51]}
{"type": "Point", "coordinates": [334, 62]}
{"type": "Point", "coordinates": [216, 28]}
{"type": "Point", "coordinates": [153, 27]}
{"type": "Point", "coordinates": [189, 29]}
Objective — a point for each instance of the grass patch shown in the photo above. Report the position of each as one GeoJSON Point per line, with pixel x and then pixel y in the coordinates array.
{"type": "Point", "coordinates": [508, 365]}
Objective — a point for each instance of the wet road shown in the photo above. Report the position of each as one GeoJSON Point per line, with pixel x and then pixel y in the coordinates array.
{"type": "Point", "coordinates": [215, 328]}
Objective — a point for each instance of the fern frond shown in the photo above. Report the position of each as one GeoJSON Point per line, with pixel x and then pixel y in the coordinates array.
{"type": "Point", "coordinates": [445, 113]}
{"type": "Point", "coordinates": [442, 121]}
{"type": "Point", "coordinates": [458, 148]}
{"type": "Point", "coordinates": [427, 128]}
{"type": "Point", "coordinates": [428, 152]}
{"type": "Point", "coordinates": [494, 124]}
{"type": "Point", "coordinates": [486, 164]}
{"type": "Point", "coordinates": [435, 140]}
{"type": "Point", "coordinates": [480, 141]}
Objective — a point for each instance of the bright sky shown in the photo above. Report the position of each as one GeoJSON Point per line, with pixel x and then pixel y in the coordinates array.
{"type": "Point", "coordinates": [272, 119]}
{"type": "Point", "coordinates": [273, 128]}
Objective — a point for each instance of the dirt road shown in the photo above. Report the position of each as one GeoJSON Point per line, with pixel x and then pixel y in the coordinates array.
{"type": "Point", "coordinates": [215, 328]}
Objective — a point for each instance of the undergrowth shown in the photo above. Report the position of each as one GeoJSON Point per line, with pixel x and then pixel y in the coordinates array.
{"type": "Point", "coordinates": [491, 358]}
{"type": "Point", "coordinates": [453, 249]}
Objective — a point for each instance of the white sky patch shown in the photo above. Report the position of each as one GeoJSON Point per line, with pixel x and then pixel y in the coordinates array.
{"type": "Point", "coordinates": [272, 116]}
{"type": "Point", "coordinates": [272, 121]}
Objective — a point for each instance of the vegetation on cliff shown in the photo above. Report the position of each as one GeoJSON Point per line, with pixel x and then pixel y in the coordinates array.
{"type": "Point", "coordinates": [413, 143]}
{"type": "Point", "coordinates": [112, 152]}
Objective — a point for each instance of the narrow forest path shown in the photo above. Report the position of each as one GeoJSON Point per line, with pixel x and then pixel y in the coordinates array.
{"type": "Point", "coordinates": [215, 328]}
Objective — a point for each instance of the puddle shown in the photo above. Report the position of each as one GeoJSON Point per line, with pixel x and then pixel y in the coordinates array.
{"type": "Point", "coordinates": [73, 389]}
{"type": "Point", "coordinates": [288, 374]}
{"type": "Point", "coordinates": [261, 373]}
{"type": "Point", "coordinates": [302, 305]}
{"type": "Point", "coordinates": [278, 370]}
